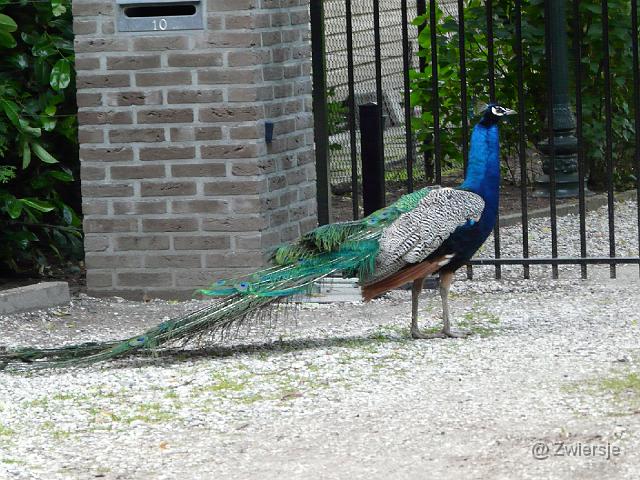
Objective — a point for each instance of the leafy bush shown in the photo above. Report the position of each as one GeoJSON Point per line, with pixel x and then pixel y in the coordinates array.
{"type": "Point", "coordinates": [39, 193]}
{"type": "Point", "coordinates": [535, 93]}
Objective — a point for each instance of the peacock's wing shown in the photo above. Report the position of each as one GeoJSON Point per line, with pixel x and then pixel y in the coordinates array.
{"type": "Point", "coordinates": [418, 233]}
{"type": "Point", "coordinates": [334, 236]}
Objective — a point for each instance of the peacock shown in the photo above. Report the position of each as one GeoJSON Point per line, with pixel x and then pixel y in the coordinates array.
{"type": "Point", "coordinates": [429, 231]}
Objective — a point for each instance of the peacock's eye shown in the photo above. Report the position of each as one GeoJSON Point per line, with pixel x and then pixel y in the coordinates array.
{"type": "Point", "coordinates": [243, 286]}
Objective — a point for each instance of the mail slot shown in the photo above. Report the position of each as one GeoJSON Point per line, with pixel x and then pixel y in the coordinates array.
{"type": "Point", "coordinates": [159, 15]}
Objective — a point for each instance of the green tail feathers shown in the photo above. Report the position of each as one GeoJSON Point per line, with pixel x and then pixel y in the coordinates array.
{"type": "Point", "coordinates": [348, 248]}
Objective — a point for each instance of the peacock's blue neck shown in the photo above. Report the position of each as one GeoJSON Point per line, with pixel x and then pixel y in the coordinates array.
{"type": "Point", "coordinates": [483, 171]}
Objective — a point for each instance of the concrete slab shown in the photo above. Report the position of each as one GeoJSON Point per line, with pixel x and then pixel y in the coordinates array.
{"type": "Point", "coordinates": [34, 297]}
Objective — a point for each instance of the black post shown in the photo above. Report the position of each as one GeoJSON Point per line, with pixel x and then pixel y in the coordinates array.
{"type": "Point", "coordinates": [372, 158]}
{"type": "Point", "coordinates": [320, 113]}
{"type": "Point", "coordinates": [560, 153]}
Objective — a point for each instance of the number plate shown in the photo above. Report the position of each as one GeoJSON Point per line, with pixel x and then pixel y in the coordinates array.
{"type": "Point", "coordinates": [159, 16]}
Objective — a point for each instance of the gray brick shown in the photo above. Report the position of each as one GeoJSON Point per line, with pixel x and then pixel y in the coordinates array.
{"type": "Point", "coordinates": [99, 280]}
{"type": "Point", "coordinates": [200, 206]}
{"type": "Point", "coordinates": [245, 223]}
{"type": "Point", "coordinates": [142, 242]}
{"type": "Point", "coordinates": [88, 99]}
{"type": "Point", "coordinates": [97, 260]}
{"type": "Point", "coordinates": [235, 187]}
{"type": "Point", "coordinates": [109, 225]}
{"type": "Point", "coordinates": [173, 261]}
{"type": "Point", "coordinates": [228, 76]}
{"type": "Point", "coordinates": [203, 59]}
{"type": "Point", "coordinates": [173, 115]}
{"type": "Point", "coordinates": [129, 135]}
{"type": "Point", "coordinates": [138, 207]}
{"type": "Point", "coordinates": [107, 44]}
{"type": "Point", "coordinates": [230, 114]}
{"type": "Point", "coordinates": [110, 117]}
{"type": "Point", "coordinates": [229, 151]}
{"type": "Point", "coordinates": [156, 189]}
{"type": "Point", "coordinates": [199, 170]}
{"type": "Point", "coordinates": [194, 96]}
{"type": "Point", "coordinates": [154, 79]}
{"type": "Point", "coordinates": [189, 134]}
{"type": "Point", "coordinates": [125, 99]}
{"type": "Point", "coordinates": [137, 171]}
{"type": "Point", "coordinates": [159, 43]}
{"type": "Point", "coordinates": [202, 242]}
{"type": "Point", "coordinates": [109, 154]}
{"type": "Point", "coordinates": [135, 279]}
{"type": "Point", "coordinates": [133, 62]}
{"type": "Point", "coordinates": [167, 153]}
{"type": "Point", "coordinates": [169, 225]}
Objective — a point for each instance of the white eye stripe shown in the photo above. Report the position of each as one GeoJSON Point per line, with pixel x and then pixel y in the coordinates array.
{"type": "Point", "coordinates": [499, 111]}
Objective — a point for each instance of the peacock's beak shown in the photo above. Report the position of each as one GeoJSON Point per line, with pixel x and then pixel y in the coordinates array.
{"type": "Point", "coordinates": [508, 111]}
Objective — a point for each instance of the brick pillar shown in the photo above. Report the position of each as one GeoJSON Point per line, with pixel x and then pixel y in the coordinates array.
{"type": "Point", "coordinates": [179, 185]}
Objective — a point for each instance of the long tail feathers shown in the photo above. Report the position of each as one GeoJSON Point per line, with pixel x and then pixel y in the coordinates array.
{"type": "Point", "coordinates": [348, 248]}
{"type": "Point", "coordinates": [239, 300]}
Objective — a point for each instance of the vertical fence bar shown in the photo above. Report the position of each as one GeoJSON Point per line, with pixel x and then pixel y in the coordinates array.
{"type": "Point", "coordinates": [320, 113]}
{"type": "Point", "coordinates": [548, 47]}
{"type": "Point", "coordinates": [492, 97]}
{"type": "Point", "coordinates": [491, 61]}
{"type": "Point", "coordinates": [352, 113]}
{"type": "Point", "coordinates": [577, 38]}
{"type": "Point", "coordinates": [433, 26]}
{"type": "Point", "coordinates": [464, 106]}
{"type": "Point", "coordinates": [406, 63]}
{"type": "Point", "coordinates": [636, 104]}
{"type": "Point", "coordinates": [421, 8]}
{"type": "Point", "coordinates": [463, 86]}
{"type": "Point", "coordinates": [378, 68]}
{"type": "Point", "coordinates": [522, 144]}
{"type": "Point", "coordinates": [608, 149]}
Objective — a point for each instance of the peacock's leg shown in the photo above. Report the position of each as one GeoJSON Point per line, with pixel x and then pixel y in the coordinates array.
{"type": "Point", "coordinates": [446, 278]}
{"type": "Point", "coordinates": [415, 295]}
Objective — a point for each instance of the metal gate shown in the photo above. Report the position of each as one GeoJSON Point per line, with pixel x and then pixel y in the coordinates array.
{"type": "Point", "coordinates": [372, 50]}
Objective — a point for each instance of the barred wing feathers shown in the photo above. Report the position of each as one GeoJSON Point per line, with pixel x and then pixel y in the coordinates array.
{"type": "Point", "coordinates": [420, 232]}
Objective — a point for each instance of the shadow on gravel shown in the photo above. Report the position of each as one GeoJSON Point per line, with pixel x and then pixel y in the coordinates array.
{"type": "Point", "coordinates": [171, 356]}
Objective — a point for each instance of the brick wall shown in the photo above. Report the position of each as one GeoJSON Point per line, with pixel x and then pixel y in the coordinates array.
{"type": "Point", "coordinates": [179, 186]}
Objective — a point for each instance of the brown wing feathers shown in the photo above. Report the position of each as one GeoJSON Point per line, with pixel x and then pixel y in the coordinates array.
{"type": "Point", "coordinates": [404, 276]}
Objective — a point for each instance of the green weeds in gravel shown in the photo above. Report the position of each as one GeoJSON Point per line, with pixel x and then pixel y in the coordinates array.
{"type": "Point", "coordinates": [13, 461]}
{"type": "Point", "coordinates": [5, 431]}
{"type": "Point", "coordinates": [621, 389]}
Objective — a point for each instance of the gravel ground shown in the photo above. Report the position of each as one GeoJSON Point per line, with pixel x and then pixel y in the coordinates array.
{"type": "Point", "coordinates": [340, 391]}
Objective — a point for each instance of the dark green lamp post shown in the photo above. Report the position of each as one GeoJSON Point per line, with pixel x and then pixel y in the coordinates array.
{"type": "Point", "coordinates": [565, 143]}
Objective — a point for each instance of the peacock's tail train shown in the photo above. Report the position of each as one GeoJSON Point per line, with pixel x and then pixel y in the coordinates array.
{"type": "Point", "coordinates": [348, 248]}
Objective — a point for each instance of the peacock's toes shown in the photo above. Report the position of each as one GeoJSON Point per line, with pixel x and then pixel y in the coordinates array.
{"type": "Point", "coordinates": [419, 335]}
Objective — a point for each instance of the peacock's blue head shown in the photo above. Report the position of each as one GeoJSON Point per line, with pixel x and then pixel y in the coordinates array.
{"type": "Point", "coordinates": [493, 113]}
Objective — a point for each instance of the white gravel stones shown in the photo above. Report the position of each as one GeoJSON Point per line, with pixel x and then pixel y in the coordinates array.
{"type": "Point", "coordinates": [340, 391]}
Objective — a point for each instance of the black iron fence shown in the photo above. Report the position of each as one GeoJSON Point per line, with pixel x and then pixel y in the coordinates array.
{"type": "Point", "coordinates": [569, 68]}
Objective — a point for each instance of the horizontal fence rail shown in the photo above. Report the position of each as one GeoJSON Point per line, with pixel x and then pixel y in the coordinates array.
{"type": "Point", "coordinates": [565, 66]}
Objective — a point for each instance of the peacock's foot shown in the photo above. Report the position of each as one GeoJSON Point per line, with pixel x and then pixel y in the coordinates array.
{"type": "Point", "coordinates": [417, 334]}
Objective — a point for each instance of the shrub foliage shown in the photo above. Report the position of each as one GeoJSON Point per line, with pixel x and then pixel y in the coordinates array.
{"type": "Point", "coordinates": [39, 191]}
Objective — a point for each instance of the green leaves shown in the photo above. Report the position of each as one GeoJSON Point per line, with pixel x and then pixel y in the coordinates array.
{"type": "Point", "coordinates": [42, 154]}
{"type": "Point", "coordinates": [38, 137]}
{"type": "Point", "coordinates": [60, 75]}
{"type": "Point", "coordinates": [7, 25]}
{"type": "Point", "coordinates": [58, 8]}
